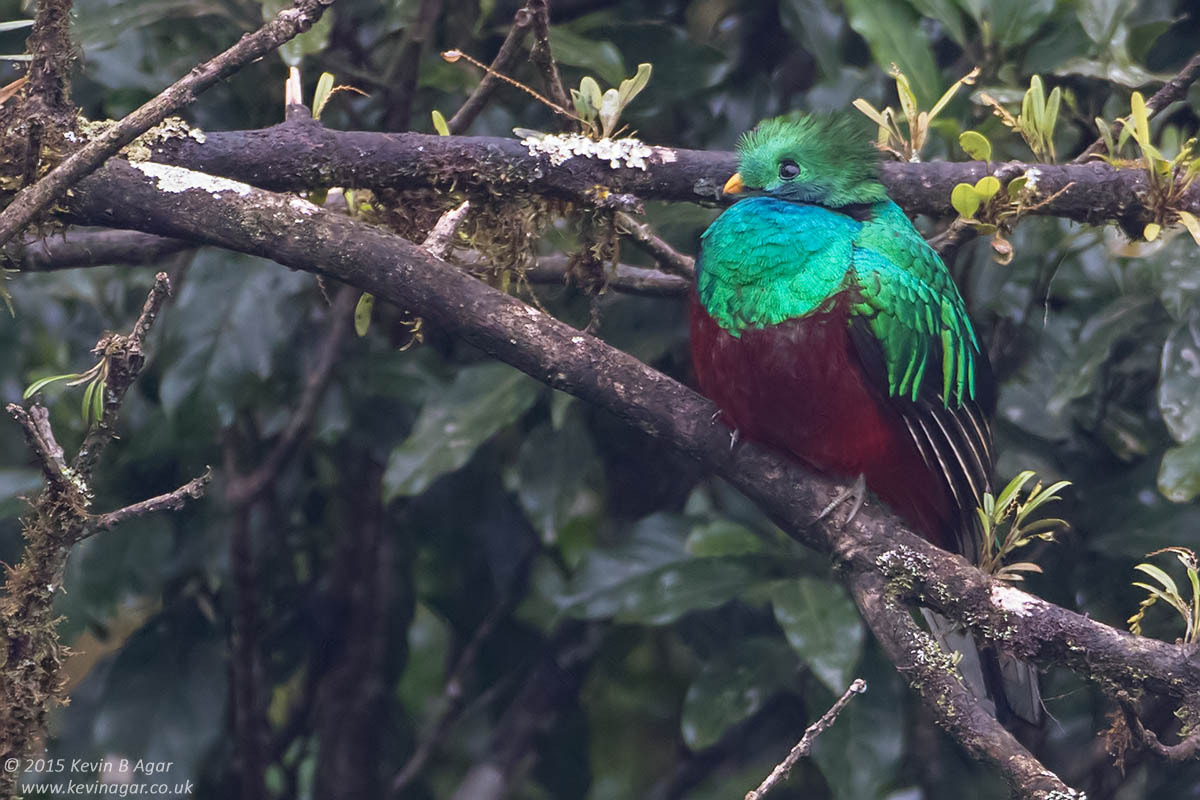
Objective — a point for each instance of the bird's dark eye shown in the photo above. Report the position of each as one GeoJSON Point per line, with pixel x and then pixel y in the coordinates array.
{"type": "Point", "coordinates": [788, 169]}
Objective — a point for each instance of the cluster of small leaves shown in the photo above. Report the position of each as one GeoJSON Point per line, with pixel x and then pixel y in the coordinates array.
{"type": "Point", "coordinates": [988, 210]}
{"type": "Point", "coordinates": [1037, 120]}
{"type": "Point", "coordinates": [1169, 177]}
{"type": "Point", "coordinates": [96, 378]}
{"type": "Point", "coordinates": [599, 112]}
{"type": "Point", "coordinates": [1167, 591]}
{"type": "Point", "coordinates": [907, 144]}
{"type": "Point", "coordinates": [1008, 524]}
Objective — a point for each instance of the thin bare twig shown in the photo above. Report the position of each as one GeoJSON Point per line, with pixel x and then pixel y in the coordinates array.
{"type": "Point", "coordinates": [171, 501]}
{"type": "Point", "coordinates": [625, 278]}
{"type": "Point", "coordinates": [454, 699]}
{"type": "Point", "coordinates": [505, 60]}
{"type": "Point", "coordinates": [669, 259]}
{"type": "Point", "coordinates": [804, 746]}
{"type": "Point", "coordinates": [89, 249]}
{"type": "Point", "coordinates": [37, 197]}
{"type": "Point", "coordinates": [242, 489]}
{"type": "Point", "coordinates": [402, 73]}
{"type": "Point", "coordinates": [1171, 91]}
{"type": "Point", "coordinates": [542, 56]}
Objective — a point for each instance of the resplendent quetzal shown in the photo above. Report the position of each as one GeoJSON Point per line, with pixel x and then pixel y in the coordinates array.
{"type": "Point", "coordinates": [824, 325]}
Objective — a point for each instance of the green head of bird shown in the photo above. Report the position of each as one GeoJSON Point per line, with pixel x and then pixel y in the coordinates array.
{"type": "Point", "coordinates": [822, 159]}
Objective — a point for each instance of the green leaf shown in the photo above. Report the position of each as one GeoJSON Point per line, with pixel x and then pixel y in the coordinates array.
{"type": "Point", "coordinates": [88, 405]}
{"type": "Point", "coordinates": [632, 87]}
{"type": "Point", "coordinates": [1189, 221]}
{"type": "Point", "coordinates": [1050, 120]}
{"type": "Point", "coordinates": [439, 125]}
{"type": "Point", "coordinates": [733, 686]}
{"type": "Point", "coordinates": [610, 112]}
{"type": "Point", "coordinates": [1106, 134]}
{"type": "Point", "coordinates": [1100, 18]}
{"type": "Point", "coordinates": [590, 92]}
{"type": "Point", "coordinates": [1179, 381]}
{"type": "Point", "coordinates": [663, 594]}
{"type": "Point", "coordinates": [482, 399]}
{"type": "Point", "coordinates": [1140, 117]}
{"type": "Point", "coordinates": [823, 626]}
{"type": "Point", "coordinates": [894, 35]}
{"type": "Point", "coordinates": [976, 145]}
{"type": "Point", "coordinates": [1104, 328]}
{"type": "Point", "coordinates": [1179, 473]}
{"type": "Point", "coordinates": [946, 13]}
{"type": "Point", "coordinates": [987, 187]}
{"type": "Point", "coordinates": [1167, 582]}
{"type": "Point", "coordinates": [322, 93]}
{"type": "Point", "coordinates": [554, 477]}
{"type": "Point", "coordinates": [819, 29]}
{"type": "Point", "coordinates": [362, 313]}
{"type": "Point", "coordinates": [1014, 22]}
{"type": "Point", "coordinates": [232, 314]}
{"type": "Point", "coordinates": [652, 579]}
{"type": "Point", "coordinates": [870, 110]}
{"type": "Point", "coordinates": [723, 537]}
{"type": "Point", "coordinates": [41, 383]}
{"type": "Point", "coordinates": [598, 56]}
{"type": "Point", "coordinates": [966, 200]}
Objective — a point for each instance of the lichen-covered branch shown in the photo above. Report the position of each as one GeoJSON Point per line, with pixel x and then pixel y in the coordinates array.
{"type": "Point", "coordinates": [174, 500]}
{"type": "Point", "coordinates": [907, 569]}
{"type": "Point", "coordinates": [301, 154]}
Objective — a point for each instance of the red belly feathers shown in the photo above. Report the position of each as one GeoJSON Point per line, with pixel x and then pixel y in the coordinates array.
{"type": "Point", "coordinates": [799, 386]}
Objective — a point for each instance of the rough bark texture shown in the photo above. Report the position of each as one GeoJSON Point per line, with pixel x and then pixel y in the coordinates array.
{"type": "Point", "coordinates": [302, 154]}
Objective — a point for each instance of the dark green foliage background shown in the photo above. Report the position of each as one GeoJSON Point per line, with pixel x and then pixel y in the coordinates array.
{"type": "Point", "coordinates": [716, 639]}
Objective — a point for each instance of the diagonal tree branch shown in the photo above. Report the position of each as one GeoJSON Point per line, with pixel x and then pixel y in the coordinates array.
{"type": "Point", "coordinates": [875, 551]}
{"type": "Point", "coordinates": [502, 64]}
{"type": "Point", "coordinates": [804, 746]}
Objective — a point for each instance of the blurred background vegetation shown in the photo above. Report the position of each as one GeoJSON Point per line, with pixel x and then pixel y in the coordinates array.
{"type": "Point", "coordinates": [615, 623]}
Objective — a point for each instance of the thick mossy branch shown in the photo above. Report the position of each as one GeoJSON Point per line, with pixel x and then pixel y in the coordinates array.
{"type": "Point", "coordinates": [301, 154]}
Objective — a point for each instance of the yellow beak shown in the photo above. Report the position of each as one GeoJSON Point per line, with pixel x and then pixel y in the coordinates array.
{"type": "Point", "coordinates": [734, 185]}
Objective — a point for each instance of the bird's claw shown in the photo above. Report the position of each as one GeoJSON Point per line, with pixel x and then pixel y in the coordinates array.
{"type": "Point", "coordinates": [733, 438]}
{"type": "Point", "coordinates": [857, 493]}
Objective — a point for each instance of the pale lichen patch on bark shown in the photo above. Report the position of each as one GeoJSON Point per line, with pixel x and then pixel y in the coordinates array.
{"type": "Point", "coordinates": [178, 179]}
